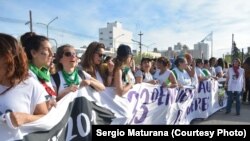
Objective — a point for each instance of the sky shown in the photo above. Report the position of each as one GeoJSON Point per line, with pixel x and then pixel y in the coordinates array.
{"type": "Point", "coordinates": [163, 23]}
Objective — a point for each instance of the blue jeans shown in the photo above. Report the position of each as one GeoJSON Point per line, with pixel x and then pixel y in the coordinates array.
{"type": "Point", "coordinates": [230, 100]}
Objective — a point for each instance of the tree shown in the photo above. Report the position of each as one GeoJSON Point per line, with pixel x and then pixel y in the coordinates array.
{"type": "Point", "coordinates": [235, 52]}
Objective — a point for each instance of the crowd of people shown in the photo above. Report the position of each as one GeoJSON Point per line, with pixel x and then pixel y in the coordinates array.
{"type": "Point", "coordinates": [33, 79]}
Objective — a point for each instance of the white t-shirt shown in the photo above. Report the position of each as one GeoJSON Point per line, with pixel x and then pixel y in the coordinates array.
{"type": "Point", "coordinates": [199, 72]}
{"type": "Point", "coordinates": [131, 76]}
{"type": "Point", "coordinates": [22, 98]}
{"type": "Point", "coordinates": [212, 71]}
{"type": "Point", "coordinates": [63, 83]}
{"type": "Point", "coordinates": [32, 74]}
{"type": "Point", "coordinates": [162, 77]}
{"type": "Point", "coordinates": [235, 84]}
{"type": "Point", "coordinates": [225, 71]}
{"type": "Point", "coordinates": [98, 76]}
{"type": "Point", "coordinates": [183, 77]}
{"type": "Point", "coordinates": [218, 69]}
{"type": "Point", "coordinates": [146, 77]}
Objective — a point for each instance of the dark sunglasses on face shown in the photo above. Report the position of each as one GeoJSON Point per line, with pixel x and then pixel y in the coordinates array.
{"type": "Point", "coordinates": [69, 54]}
{"type": "Point", "coordinates": [101, 55]}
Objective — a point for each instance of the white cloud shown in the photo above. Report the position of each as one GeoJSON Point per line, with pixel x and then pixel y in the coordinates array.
{"type": "Point", "coordinates": [164, 22]}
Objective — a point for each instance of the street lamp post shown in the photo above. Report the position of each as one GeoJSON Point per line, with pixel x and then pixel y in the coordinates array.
{"type": "Point", "coordinates": [114, 41]}
{"type": "Point", "coordinates": [47, 25]}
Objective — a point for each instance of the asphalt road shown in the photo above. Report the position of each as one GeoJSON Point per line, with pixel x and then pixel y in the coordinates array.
{"type": "Point", "coordinates": [220, 118]}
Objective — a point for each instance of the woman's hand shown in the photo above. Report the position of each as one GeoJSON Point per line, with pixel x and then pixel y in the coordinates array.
{"type": "Point", "coordinates": [110, 66]}
{"type": "Point", "coordinates": [85, 82]}
{"type": "Point", "coordinates": [71, 88]}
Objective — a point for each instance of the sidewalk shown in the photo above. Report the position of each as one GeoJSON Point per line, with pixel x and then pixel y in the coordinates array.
{"type": "Point", "coordinates": [220, 118]}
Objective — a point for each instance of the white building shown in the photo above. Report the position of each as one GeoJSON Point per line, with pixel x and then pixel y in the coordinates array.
{"type": "Point", "coordinates": [201, 50]}
{"type": "Point", "coordinates": [113, 35]}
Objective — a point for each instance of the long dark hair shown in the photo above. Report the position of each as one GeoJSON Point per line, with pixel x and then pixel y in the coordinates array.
{"type": "Point", "coordinates": [33, 43]}
{"type": "Point", "coordinates": [87, 62]}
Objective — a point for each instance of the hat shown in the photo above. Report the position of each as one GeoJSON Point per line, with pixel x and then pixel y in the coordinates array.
{"type": "Point", "coordinates": [124, 50]}
{"type": "Point", "coordinates": [145, 59]}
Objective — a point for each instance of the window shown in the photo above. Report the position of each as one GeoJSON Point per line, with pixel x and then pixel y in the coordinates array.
{"type": "Point", "coordinates": [101, 38]}
{"type": "Point", "coordinates": [110, 37]}
{"type": "Point", "coordinates": [101, 32]}
{"type": "Point", "coordinates": [110, 31]}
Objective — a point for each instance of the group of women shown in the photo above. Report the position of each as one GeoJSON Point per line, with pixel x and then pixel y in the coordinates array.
{"type": "Point", "coordinates": [30, 86]}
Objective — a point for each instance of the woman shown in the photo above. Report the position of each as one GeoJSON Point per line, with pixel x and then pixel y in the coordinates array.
{"type": "Point", "coordinates": [91, 63]}
{"type": "Point", "coordinates": [190, 65]}
{"type": "Point", "coordinates": [106, 70]}
{"type": "Point", "coordinates": [123, 77]}
{"type": "Point", "coordinates": [21, 96]}
{"type": "Point", "coordinates": [212, 63]}
{"type": "Point", "coordinates": [235, 84]}
{"type": "Point", "coordinates": [165, 77]}
{"type": "Point", "coordinates": [200, 74]}
{"type": "Point", "coordinates": [180, 73]}
{"type": "Point", "coordinates": [219, 68]}
{"type": "Point", "coordinates": [143, 74]}
{"type": "Point", "coordinates": [205, 69]}
{"type": "Point", "coordinates": [69, 78]}
{"type": "Point", "coordinates": [39, 52]}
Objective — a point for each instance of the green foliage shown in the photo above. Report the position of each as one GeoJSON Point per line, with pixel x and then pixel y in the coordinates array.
{"type": "Point", "coordinates": [237, 54]}
{"type": "Point", "coordinates": [228, 58]}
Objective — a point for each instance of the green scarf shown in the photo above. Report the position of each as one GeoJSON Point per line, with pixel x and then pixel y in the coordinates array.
{"type": "Point", "coordinates": [206, 72]}
{"type": "Point", "coordinates": [167, 82]}
{"type": "Point", "coordinates": [42, 73]}
{"type": "Point", "coordinates": [71, 78]}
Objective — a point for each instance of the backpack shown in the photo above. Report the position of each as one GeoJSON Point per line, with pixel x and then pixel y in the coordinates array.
{"type": "Point", "coordinates": [143, 75]}
{"type": "Point", "coordinates": [57, 78]}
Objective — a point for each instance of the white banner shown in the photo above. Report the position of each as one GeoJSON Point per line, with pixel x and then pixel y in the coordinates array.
{"type": "Point", "coordinates": [150, 104]}
{"type": "Point", "coordinates": [144, 104]}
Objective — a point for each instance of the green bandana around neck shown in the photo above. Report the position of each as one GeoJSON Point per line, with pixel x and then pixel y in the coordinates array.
{"type": "Point", "coordinates": [71, 78]}
{"type": "Point", "coordinates": [42, 73]}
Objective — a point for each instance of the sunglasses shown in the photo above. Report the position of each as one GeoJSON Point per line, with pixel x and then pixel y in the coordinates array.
{"type": "Point", "coordinates": [69, 54]}
{"type": "Point", "coordinates": [101, 55]}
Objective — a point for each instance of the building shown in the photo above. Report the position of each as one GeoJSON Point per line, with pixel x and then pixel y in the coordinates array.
{"type": "Point", "coordinates": [113, 35]}
{"type": "Point", "coordinates": [178, 46]}
{"type": "Point", "coordinates": [201, 50]}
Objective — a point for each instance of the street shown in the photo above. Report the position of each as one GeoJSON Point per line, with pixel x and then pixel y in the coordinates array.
{"type": "Point", "coordinates": [220, 118]}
